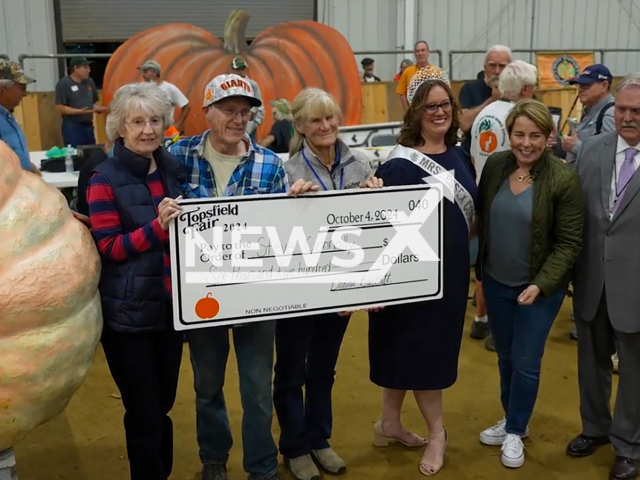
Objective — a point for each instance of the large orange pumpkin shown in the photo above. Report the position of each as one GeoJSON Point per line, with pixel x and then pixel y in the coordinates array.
{"type": "Point", "coordinates": [50, 314]}
{"type": "Point", "coordinates": [282, 60]}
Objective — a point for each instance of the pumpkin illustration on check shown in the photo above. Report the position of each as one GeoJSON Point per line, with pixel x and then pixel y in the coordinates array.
{"type": "Point", "coordinates": [207, 307]}
{"type": "Point", "coordinates": [282, 60]}
{"type": "Point", "coordinates": [50, 313]}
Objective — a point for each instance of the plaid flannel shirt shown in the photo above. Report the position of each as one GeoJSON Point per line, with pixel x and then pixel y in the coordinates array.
{"type": "Point", "coordinates": [259, 171]}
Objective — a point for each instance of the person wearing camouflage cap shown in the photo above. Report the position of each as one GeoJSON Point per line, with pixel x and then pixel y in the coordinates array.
{"type": "Point", "coordinates": [13, 88]}
{"type": "Point", "coordinates": [151, 73]}
{"type": "Point", "coordinates": [280, 135]}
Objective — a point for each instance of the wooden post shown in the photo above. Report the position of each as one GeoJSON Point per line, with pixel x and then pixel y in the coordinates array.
{"type": "Point", "coordinates": [100, 123]}
{"type": "Point", "coordinates": [374, 103]}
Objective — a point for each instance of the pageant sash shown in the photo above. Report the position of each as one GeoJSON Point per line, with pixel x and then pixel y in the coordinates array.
{"type": "Point", "coordinates": [461, 195]}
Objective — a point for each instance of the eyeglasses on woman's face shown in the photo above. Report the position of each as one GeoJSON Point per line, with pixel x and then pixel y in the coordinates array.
{"type": "Point", "coordinates": [432, 108]}
{"type": "Point", "coordinates": [138, 124]}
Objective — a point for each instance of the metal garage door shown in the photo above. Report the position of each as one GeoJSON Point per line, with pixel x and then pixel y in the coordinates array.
{"type": "Point", "coordinates": [117, 20]}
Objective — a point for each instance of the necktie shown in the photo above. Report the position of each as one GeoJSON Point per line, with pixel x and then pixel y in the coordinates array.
{"type": "Point", "coordinates": [626, 172]}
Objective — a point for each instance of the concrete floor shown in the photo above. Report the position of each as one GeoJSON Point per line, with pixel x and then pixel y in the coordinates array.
{"type": "Point", "coordinates": [87, 441]}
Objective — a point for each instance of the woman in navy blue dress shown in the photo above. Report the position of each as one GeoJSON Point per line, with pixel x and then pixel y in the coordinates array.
{"type": "Point", "coordinates": [416, 346]}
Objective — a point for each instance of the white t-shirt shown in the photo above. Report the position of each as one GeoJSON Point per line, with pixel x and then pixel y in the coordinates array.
{"type": "Point", "coordinates": [489, 132]}
{"type": "Point", "coordinates": [176, 97]}
{"type": "Point", "coordinates": [222, 165]}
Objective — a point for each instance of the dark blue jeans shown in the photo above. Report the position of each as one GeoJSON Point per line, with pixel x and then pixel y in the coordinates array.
{"type": "Point", "coordinates": [76, 134]}
{"type": "Point", "coordinates": [520, 333]}
{"type": "Point", "coordinates": [306, 351]}
{"type": "Point", "coordinates": [253, 344]}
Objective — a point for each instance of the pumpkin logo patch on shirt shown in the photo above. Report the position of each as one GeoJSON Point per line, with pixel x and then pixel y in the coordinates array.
{"type": "Point", "coordinates": [490, 135]}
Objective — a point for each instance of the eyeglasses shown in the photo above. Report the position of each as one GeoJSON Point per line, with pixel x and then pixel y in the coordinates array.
{"type": "Point", "coordinates": [244, 114]}
{"type": "Point", "coordinates": [432, 108]}
{"type": "Point", "coordinates": [139, 124]}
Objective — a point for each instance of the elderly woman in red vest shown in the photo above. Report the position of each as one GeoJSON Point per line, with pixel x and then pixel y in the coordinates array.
{"type": "Point", "coordinates": [131, 206]}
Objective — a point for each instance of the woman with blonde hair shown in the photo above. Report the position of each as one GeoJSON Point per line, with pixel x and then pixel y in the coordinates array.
{"type": "Point", "coordinates": [307, 348]}
{"type": "Point", "coordinates": [415, 346]}
{"type": "Point", "coordinates": [530, 234]}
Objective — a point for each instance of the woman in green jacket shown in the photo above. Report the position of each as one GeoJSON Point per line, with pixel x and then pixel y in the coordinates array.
{"type": "Point", "coordinates": [530, 233]}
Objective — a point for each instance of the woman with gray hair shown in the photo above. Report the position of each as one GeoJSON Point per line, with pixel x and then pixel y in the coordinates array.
{"type": "Point", "coordinates": [131, 206]}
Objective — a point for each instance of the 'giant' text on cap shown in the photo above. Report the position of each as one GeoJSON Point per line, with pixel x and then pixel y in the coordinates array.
{"type": "Point", "coordinates": [235, 83]}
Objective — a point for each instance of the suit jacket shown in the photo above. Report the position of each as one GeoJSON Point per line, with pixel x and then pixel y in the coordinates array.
{"type": "Point", "coordinates": [610, 257]}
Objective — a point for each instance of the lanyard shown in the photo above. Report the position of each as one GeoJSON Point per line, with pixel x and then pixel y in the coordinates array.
{"type": "Point", "coordinates": [313, 170]}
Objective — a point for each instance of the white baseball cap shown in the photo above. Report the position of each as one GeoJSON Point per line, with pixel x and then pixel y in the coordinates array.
{"type": "Point", "coordinates": [229, 85]}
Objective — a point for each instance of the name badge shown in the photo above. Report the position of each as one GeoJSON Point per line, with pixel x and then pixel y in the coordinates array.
{"type": "Point", "coordinates": [74, 88]}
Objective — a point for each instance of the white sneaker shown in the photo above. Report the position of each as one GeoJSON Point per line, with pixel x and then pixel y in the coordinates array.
{"type": "Point", "coordinates": [495, 435]}
{"type": "Point", "coordinates": [615, 362]}
{"type": "Point", "coordinates": [512, 451]}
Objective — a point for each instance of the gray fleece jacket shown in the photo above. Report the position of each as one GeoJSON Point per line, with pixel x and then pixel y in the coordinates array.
{"type": "Point", "coordinates": [354, 166]}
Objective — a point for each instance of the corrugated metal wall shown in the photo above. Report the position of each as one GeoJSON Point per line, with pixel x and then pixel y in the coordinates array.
{"type": "Point", "coordinates": [367, 25]}
{"type": "Point", "coordinates": [117, 20]}
{"type": "Point", "coordinates": [478, 24]}
{"type": "Point", "coordinates": [27, 26]}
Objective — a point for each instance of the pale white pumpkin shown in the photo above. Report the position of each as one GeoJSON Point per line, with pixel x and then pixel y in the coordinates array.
{"type": "Point", "coordinates": [50, 314]}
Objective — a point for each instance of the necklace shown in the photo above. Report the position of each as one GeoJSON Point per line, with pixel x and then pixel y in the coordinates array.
{"type": "Point", "coordinates": [527, 177]}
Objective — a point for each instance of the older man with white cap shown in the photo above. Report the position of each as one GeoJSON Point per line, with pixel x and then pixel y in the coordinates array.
{"type": "Point", "coordinates": [224, 161]}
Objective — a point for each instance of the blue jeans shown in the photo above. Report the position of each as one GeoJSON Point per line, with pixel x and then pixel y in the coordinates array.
{"type": "Point", "coordinates": [473, 250]}
{"type": "Point", "coordinates": [253, 344]}
{"type": "Point", "coordinates": [76, 134]}
{"type": "Point", "coordinates": [520, 333]}
{"type": "Point", "coordinates": [307, 351]}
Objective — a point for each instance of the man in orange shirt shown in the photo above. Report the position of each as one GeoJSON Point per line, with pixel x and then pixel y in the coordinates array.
{"type": "Point", "coordinates": [421, 52]}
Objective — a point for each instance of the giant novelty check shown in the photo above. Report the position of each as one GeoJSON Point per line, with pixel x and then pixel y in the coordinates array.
{"type": "Point", "coordinates": [262, 257]}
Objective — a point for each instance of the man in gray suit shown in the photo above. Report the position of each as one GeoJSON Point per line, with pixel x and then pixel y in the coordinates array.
{"type": "Point", "coordinates": [607, 280]}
